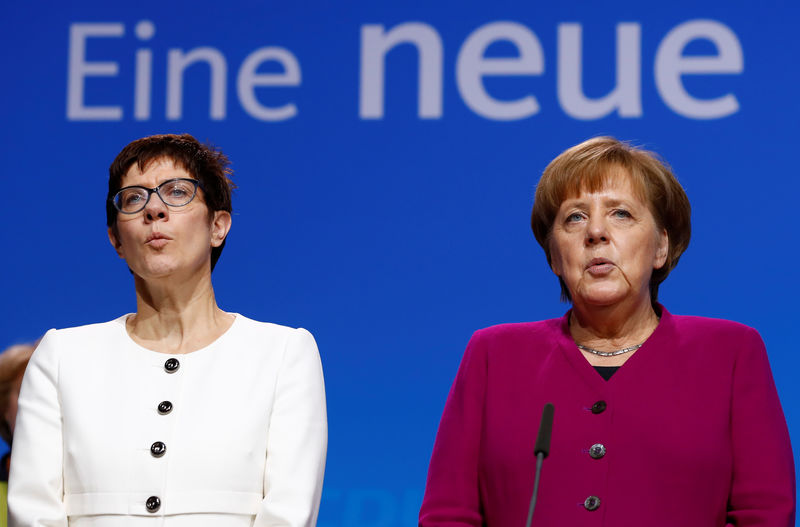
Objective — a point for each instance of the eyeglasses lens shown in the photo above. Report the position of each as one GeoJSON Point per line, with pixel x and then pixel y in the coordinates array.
{"type": "Point", "coordinates": [131, 199]}
{"type": "Point", "coordinates": [178, 192]}
{"type": "Point", "coordinates": [175, 193]}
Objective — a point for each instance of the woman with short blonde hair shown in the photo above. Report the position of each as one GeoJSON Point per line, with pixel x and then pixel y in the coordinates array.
{"type": "Point", "coordinates": [660, 420]}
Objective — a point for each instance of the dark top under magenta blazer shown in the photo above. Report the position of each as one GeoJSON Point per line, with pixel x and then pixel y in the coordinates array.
{"type": "Point", "coordinates": [691, 425]}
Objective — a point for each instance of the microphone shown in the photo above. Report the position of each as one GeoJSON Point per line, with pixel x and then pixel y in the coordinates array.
{"type": "Point", "coordinates": [542, 445]}
{"type": "Point", "coordinates": [541, 449]}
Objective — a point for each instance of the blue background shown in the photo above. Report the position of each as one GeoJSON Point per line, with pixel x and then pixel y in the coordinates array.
{"type": "Point", "coordinates": [393, 239]}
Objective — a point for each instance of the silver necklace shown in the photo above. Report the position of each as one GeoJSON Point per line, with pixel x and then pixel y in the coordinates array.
{"type": "Point", "coordinates": [608, 353]}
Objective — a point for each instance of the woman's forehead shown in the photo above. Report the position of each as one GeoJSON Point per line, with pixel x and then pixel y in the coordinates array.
{"type": "Point", "coordinates": [161, 164]}
{"type": "Point", "coordinates": [607, 178]}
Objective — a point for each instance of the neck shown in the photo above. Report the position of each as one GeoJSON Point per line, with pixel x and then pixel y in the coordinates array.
{"type": "Point", "coordinates": [613, 327]}
{"type": "Point", "coordinates": [175, 315]}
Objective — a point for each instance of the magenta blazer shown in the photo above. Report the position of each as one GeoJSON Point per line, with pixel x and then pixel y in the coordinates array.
{"type": "Point", "coordinates": [688, 433]}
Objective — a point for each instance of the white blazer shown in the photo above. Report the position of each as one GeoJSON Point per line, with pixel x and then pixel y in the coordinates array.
{"type": "Point", "coordinates": [110, 434]}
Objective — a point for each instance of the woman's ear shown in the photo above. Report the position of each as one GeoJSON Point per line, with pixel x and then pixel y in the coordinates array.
{"type": "Point", "coordinates": [114, 239]}
{"type": "Point", "coordinates": [662, 249]}
{"type": "Point", "coordinates": [220, 226]}
{"type": "Point", "coordinates": [554, 260]}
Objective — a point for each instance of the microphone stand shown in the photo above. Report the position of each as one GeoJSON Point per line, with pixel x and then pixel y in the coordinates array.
{"type": "Point", "coordinates": [541, 449]}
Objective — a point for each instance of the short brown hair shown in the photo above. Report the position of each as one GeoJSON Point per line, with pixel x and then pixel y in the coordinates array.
{"type": "Point", "coordinates": [204, 162]}
{"type": "Point", "coordinates": [587, 167]}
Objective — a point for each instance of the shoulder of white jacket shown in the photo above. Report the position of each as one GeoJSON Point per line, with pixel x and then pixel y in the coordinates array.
{"type": "Point", "coordinates": [89, 331]}
{"type": "Point", "coordinates": [270, 328]}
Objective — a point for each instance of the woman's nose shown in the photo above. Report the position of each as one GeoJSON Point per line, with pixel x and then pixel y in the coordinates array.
{"type": "Point", "coordinates": [155, 209]}
{"type": "Point", "coordinates": [596, 231]}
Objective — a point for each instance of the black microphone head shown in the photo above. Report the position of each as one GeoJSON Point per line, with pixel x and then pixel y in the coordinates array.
{"type": "Point", "coordinates": [545, 431]}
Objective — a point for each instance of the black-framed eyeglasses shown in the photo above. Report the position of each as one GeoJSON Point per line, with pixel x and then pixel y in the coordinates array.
{"type": "Point", "coordinates": [174, 193]}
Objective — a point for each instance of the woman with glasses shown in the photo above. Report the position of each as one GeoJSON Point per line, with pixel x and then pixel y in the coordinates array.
{"type": "Point", "coordinates": [180, 414]}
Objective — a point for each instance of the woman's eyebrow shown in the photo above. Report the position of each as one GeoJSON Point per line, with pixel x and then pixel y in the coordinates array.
{"type": "Point", "coordinates": [607, 202]}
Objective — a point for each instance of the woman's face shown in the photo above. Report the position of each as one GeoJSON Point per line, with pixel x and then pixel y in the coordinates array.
{"type": "Point", "coordinates": [164, 241]}
{"type": "Point", "coordinates": [605, 244]}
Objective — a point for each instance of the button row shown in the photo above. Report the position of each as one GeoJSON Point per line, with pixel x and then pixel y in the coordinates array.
{"type": "Point", "coordinates": [158, 449]}
{"type": "Point", "coordinates": [596, 451]}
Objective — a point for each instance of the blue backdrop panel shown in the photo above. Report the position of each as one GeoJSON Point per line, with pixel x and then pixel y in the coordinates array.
{"type": "Point", "coordinates": [386, 157]}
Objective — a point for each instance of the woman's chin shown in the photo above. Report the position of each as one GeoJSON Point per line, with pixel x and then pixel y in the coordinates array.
{"type": "Point", "coordinates": [601, 297]}
{"type": "Point", "coordinates": [160, 268]}
{"type": "Point", "coordinates": [155, 270]}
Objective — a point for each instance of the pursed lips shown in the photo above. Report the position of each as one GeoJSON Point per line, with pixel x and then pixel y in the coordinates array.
{"type": "Point", "coordinates": [157, 238]}
{"type": "Point", "coordinates": [599, 266]}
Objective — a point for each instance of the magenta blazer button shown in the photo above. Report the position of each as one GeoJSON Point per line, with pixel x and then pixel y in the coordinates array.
{"type": "Point", "coordinates": [591, 503]}
{"type": "Point", "coordinates": [597, 451]}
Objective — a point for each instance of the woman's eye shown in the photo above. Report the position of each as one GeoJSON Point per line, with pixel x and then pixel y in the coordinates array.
{"type": "Point", "coordinates": [178, 190]}
{"type": "Point", "coordinates": [574, 217]}
{"type": "Point", "coordinates": [622, 213]}
{"type": "Point", "coordinates": [132, 199]}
